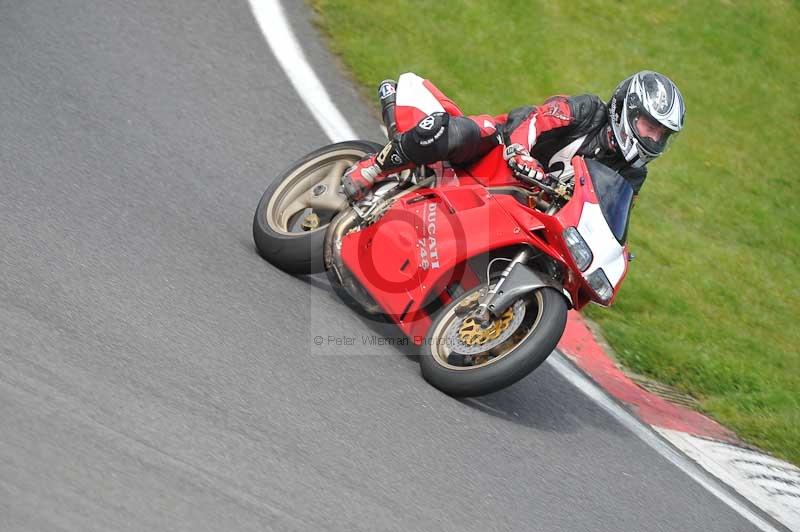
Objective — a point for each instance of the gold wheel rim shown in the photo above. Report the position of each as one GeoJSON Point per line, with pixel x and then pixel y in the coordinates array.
{"type": "Point", "coordinates": [439, 346]}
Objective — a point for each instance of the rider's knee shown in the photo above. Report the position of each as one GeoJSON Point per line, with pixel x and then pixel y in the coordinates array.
{"type": "Point", "coordinates": [427, 142]}
{"type": "Point", "coordinates": [439, 137]}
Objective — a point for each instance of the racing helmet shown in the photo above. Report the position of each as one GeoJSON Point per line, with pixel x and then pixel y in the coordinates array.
{"type": "Point", "coordinates": [645, 112]}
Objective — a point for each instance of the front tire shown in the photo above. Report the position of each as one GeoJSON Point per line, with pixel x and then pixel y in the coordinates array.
{"type": "Point", "coordinates": [529, 344]}
{"type": "Point", "coordinates": [296, 208]}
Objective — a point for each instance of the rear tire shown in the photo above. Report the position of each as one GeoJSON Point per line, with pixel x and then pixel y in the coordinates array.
{"type": "Point", "coordinates": [546, 318]}
{"type": "Point", "coordinates": [279, 230]}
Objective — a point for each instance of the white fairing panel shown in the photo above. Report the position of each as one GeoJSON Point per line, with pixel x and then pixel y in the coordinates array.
{"type": "Point", "coordinates": [412, 93]}
{"type": "Point", "coordinates": [608, 253]}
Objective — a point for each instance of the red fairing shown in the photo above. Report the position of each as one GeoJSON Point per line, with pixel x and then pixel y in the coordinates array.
{"type": "Point", "coordinates": [570, 214]}
{"type": "Point", "coordinates": [420, 246]}
{"type": "Point", "coordinates": [492, 170]}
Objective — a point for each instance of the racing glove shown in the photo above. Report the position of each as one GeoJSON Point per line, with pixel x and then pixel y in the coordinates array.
{"type": "Point", "coordinates": [522, 164]}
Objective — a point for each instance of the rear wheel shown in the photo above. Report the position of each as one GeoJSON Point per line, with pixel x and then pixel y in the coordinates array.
{"type": "Point", "coordinates": [294, 212]}
{"type": "Point", "coordinates": [463, 358]}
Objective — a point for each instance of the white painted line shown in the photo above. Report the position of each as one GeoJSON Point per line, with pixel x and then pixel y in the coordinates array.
{"type": "Point", "coordinates": [281, 40]}
{"type": "Point", "coordinates": [770, 483]}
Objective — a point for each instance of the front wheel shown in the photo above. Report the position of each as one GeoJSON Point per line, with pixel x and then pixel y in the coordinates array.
{"type": "Point", "coordinates": [297, 207]}
{"type": "Point", "coordinates": [463, 358]}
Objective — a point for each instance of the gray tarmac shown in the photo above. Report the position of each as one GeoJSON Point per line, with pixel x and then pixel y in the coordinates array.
{"type": "Point", "coordinates": [156, 374]}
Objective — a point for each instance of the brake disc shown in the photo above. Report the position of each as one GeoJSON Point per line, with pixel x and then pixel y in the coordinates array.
{"type": "Point", "coordinates": [468, 337]}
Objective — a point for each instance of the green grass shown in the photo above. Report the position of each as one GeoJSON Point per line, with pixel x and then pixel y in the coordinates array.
{"type": "Point", "coordinates": [711, 303]}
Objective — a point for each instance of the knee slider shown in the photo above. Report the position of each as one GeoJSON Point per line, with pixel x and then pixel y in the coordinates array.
{"type": "Point", "coordinates": [427, 142]}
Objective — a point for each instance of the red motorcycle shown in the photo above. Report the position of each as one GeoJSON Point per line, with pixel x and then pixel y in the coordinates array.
{"type": "Point", "coordinates": [426, 250]}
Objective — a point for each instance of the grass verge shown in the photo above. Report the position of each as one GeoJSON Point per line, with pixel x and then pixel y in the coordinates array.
{"type": "Point", "coordinates": [711, 303]}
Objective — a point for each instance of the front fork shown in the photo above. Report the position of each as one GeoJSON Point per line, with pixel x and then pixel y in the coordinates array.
{"type": "Point", "coordinates": [516, 280]}
{"type": "Point", "coordinates": [487, 306]}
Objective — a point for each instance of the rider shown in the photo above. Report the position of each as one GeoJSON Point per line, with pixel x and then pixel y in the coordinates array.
{"type": "Point", "coordinates": [644, 112]}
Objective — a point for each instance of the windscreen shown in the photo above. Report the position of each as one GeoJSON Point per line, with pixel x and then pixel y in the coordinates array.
{"type": "Point", "coordinates": [615, 195]}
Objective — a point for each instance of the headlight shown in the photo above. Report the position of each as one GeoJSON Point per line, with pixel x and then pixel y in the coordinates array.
{"type": "Point", "coordinates": [578, 248]}
{"type": "Point", "coordinates": [600, 284]}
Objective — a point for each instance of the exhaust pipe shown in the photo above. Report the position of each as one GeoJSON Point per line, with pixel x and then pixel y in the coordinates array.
{"type": "Point", "coordinates": [337, 271]}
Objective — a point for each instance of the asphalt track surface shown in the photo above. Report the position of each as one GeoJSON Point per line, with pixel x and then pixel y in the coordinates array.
{"type": "Point", "coordinates": [156, 374]}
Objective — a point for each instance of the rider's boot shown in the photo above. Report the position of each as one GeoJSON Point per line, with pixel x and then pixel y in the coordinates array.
{"type": "Point", "coordinates": [364, 174]}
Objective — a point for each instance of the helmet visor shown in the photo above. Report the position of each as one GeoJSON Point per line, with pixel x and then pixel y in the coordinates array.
{"type": "Point", "coordinates": [652, 136]}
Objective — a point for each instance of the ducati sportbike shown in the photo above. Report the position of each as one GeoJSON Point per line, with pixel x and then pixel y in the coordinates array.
{"type": "Point", "coordinates": [473, 264]}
